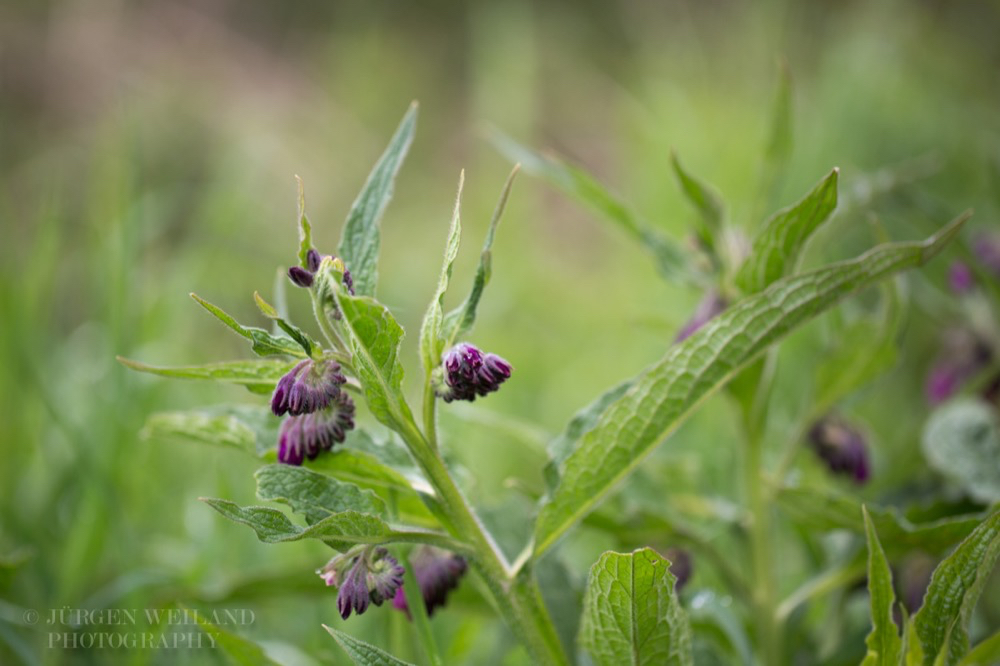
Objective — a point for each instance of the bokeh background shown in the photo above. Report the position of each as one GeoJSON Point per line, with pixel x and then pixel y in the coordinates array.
{"type": "Point", "coordinates": [148, 150]}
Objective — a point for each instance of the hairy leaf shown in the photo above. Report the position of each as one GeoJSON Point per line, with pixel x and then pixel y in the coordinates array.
{"type": "Point", "coordinates": [942, 623]}
{"type": "Point", "coordinates": [431, 344]}
{"type": "Point", "coordinates": [777, 247]}
{"type": "Point", "coordinates": [707, 202]}
{"type": "Point", "coordinates": [201, 427]}
{"type": "Point", "coordinates": [671, 389]}
{"type": "Point", "coordinates": [258, 376]}
{"type": "Point", "coordinates": [305, 229]}
{"type": "Point", "coordinates": [359, 244]}
{"type": "Point", "coordinates": [314, 495]}
{"type": "Point", "coordinates": [364, 654]}
{"type": "Point", "coordinates": [296, 334]}
{"type": "Point", "coordinates": [263, 343]}
{"type": "Point", "coordinates": [631, 613]}
{"type": "Point", "coordinates": [884, 644]}
{"type": "Point", "coordinates": [962, 441]}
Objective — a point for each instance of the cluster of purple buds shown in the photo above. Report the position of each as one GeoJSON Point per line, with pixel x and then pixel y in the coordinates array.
{"type": "Point", "coordinates": [437, 573]}
{"type": "Point", "coordinates": [964, 355]}
{"type": "Point", "coordinates": [364, 575]}
{"type": "Point", "coordinates": [841, 447]}
{"type": "Point", "coordinates": [304, 277]}
{"type": "Point", "coordinates": [466, 372]}
{"type": "Point", "coordinates": [711, 305]}
{"type": "Point", "coordinates": [308, 435]}
{"type": "Point", "coordinates": [308, 387]}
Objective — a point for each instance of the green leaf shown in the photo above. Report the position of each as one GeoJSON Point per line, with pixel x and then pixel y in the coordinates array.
{"type": "Point", "coordinates": [364, 654]}
{"type": "Point", "coordinates": [987, 653]}
{"type": "Point", "coordinates": [962, 441]}
{"type": "Point", "coordinates": [201, 427]}
{"type": "Point", "coordinates": [296, 334]}
{"type": "Point", "coordinates": [431, 344]}
{"type": "Point", "coordinates": [779, 141]}
{"type": "Point", "coordinates": [239, 650]}
{"type": "Point", "coordinates": [359, 244]}
{"type": "Point", "coordinates": [258, 376]}
{"type": "Point", "coordinates": [884, 644]}
{"type": "Point", "coordinates": [374, 337]}
{"type": "Point", "coordinates": [459, 321]}
{"type": "Point", "coordinates": [305, 229]}
{"type": "Point", "coordinates": [824, 510]}
{"type": "Point", "coordinates": [776, 249]}
{"type": "Point", "coordinates": [263, 343]}
{"type": "Point", "coordinates": [314, 495]}
{"type": "Point", "coordinates": [671, 389]}
{"type": "Point", "coordinates": [631, 613]}
{"type": "Point", "coordinates": [340, 530]}
{"type": "Point", "coordinates": [671, 259]}
{"type": "Point", "coordinates": [942, 623]}
{"type": "Point", "coordinates": [707, 202]}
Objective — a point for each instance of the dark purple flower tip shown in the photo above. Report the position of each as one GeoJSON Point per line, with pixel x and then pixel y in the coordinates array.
{"type": "Point", "coordinates": [466, 372]}
{"type": "Point", "coordinates": [681, 566]}
{"type": "Point", "coordinates": [348, 282]}
{"type": "Point", "coordinates": [300, 277]}
{"type": "Point", "coordinates": [313, 259]}
{"type": "Point", "coordinates": [986, 247]}
{"type": "Point", "coordinates": [438, 572]}
{"type": "Point", "coordinates": [963, 356]}
{"type": "Point", "coordinates": [365, 575]}
{"type": "Point", "coordinates": [711, 304]}
{"type": "Point", "coordinates": [309, 386]}
{"type": "Point", "coordinates": [308, 435]}
{"type": "Point", "coordinates": [960, 278]}
{"type": "Point", "coordinates": [841, 447]}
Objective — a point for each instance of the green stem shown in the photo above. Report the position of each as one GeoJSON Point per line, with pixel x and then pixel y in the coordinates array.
{"type": "Point", "coordinates": [762, 555]}
{"type": "Point", "coordinates": [430, 414]}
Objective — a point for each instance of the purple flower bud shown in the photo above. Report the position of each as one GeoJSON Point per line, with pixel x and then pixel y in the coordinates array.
{"type": "Point", "coordinates": [309, 386]}
{"type": "Point", "coordinates": [364, 574]}
{"type": "Point", "coordinates": [960, 278]}
{"type": "Point", "coordinates": [711, 304]}
{"type": "Point", "coordinates": [348, 282]}
{"type": "Point", "coordinates": [312, 260]}
{"type": "Point", "coordinates": [987, 249]}
{"type": "Point", "coordinates": [963, 355]}
{"type": "Point", "coordinates": [437, 572]}
{"type": "Point", "coordinates": [466, 372]}
{"type": "Point", "coordinates": [300, 277]}
{"type": "Point", "coordinates": [681, 566]}
{"type": "Point", "coordinates": [308, 435]}
{"type": "Point", "coordinates": [841, 447]}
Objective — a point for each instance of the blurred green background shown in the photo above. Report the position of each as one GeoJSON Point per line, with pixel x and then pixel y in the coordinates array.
{"type": "Point", "coordinates": [147, 150]}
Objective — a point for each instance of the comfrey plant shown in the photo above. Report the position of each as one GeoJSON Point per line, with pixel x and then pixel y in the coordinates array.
{"type": "Point", "coordinates": [401, 526]}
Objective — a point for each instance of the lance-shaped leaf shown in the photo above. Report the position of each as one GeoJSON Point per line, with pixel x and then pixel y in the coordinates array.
{"type": "Point", "coordinates": [257, 376]}
{"type": "Point", "coordinates": [305, 229]}
{"type": "Point", "coordinates": [779, 140]}
{"type": "Point", "coordinates": [314, 495]}
{"type": "Point", "coordinates": [431, 345]}
{"type": "Point", "coordinates": [670, 257]}
{"type": "Point", "coordinates": [706, 201]}
{"type": "Point", "coordinates": [671, 389]}
{"type": "Point", "coordinates": [459, 321]}
{"type": "Point", "coordinates": [239, 650]}
{"type": "Point", "coordinates": [884, 644]}
{"type": "Point", "coordinates": [221, 429]}
{"type": "Point", "coordinates": [942, 623]}
{"type": "Point", "coordinates": [340, 530]}
{"type": "Point", "coordinates": [987, 653]}
{"type": "Point", "coordinates": [359, 243]}
{"type": "Point", "coordinates": [823, 510]}
{"type": "Point", "coordinates": [374, 336]}
{"type": "Point", "coordinates": [296, 334]}
{"type": "Point", "coordinates": [263, 343]}
{"type": "Point", "coordinates": [364, 654]}
{"type": "Point", "coordinates": [777, 247]}
{"type": "Point", "coordinates": [631, 613]}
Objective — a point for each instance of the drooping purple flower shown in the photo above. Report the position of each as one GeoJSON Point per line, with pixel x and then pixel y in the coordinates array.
{"type": "Point", "coordinates": [437, 572]}
{"type": "Point", "coordinates": [309, 386]}
{"type": "Point", "coordinates": [960, 278]}
{"type": "Point", "coordinates": [466, 372]}
{"type": "Point", "coordinates": [364, 574]}
{"type": "Point", "coordinates": [711, 305]}
{"type": "Point", "coordinates": [681, 566]}
{"type": "Point", "coordinates": [986, 247]}
{"type": "Point", "coordinates": [963, 356]}
{"type": "Point", "coordinates": [308, 435]}
{"type": "Point", "coordinates": [300, 277]}
{"type": "Point", "coordinates": [841, 446]}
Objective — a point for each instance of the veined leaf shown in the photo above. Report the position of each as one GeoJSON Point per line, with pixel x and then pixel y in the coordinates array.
{"type": "Point", "coordinates": [359, 244]}
{"type": "Point", "coordinates": [631, 613]}
{"type": "Point", "coordinates": [296, 334]}
{"type": "Point", "coordinates": [239, 650]}
{"type": "Point", "coordinates": [201, 427]}
{"type": "Point", "coordinates": [314, 495]}
{"type": "Point", "coordinates": [305, 229]}
{"type": "Point", "coordinates": [942, 623]}
{"type": "Point", "coordinates": [459, 321]}
{"type": "Point", "coordinates": [340, 530]}
{"type": "Point", "coordinates": [670, 257]}
{"type": "Point", "coordinates": [823, 510]}
{"type": "Point", "coordinates": [375, 336]}
{"type": "Point", "coordinates": [884, 644]}
{"type": "Point", "coordinates": [263, 343]}
{"type": "Point", "coordinates": [364, 654]}
{"type": "Point", "coordinates": [962, 441]}
{"type": "Point", "coordinates": [671, 389]}
{"type": "Point", "coordinates": [258, 376]}
{"type": "Point", "coordinates": [707, 202]}
{"type": "Point", "coordinates": [776, 249]}
{"type": "Point", "coordinates": [431, 344]}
